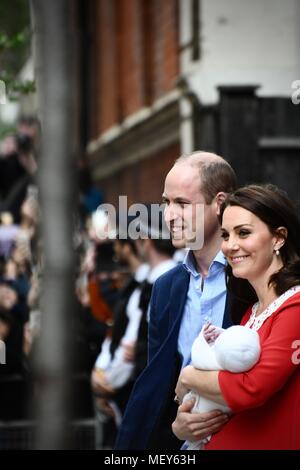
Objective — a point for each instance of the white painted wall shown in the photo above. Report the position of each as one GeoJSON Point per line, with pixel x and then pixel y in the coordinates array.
{"type": "Point", "coordinates": [243, 42]}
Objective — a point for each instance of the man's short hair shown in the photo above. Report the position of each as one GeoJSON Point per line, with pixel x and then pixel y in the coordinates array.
{"type": "Point", "coordinates": [216, 173]}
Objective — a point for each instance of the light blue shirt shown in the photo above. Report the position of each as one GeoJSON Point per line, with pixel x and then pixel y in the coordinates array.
{"type": "Point", "coordinates": [201, 305]}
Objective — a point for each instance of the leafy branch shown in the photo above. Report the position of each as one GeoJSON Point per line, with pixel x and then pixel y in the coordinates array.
{"type": "Point", "coordinates": [12, 43]}
{"type": "Point", "coordinates": [9, 47]}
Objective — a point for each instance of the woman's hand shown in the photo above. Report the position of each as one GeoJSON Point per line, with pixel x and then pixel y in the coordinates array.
{"type": "Point", "coordinates": [203, 382]}
{"type": "Point", "coordinates": [192, 427]}
{"type": "Point", "coordinates": [182, 389]}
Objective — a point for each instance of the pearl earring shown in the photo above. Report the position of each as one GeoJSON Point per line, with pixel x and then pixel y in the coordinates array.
{"type": "Point", "coordinates": [277, 252]}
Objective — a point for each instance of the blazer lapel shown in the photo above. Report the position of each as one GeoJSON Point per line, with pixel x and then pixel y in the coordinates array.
{"type": "Point", "coordinates": [227, 321]}
{"type": "Point", "coordinates": [178, 295]}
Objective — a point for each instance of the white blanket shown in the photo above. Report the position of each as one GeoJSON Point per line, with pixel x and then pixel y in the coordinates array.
{"type": "Point", "coordinates": [236, 349]}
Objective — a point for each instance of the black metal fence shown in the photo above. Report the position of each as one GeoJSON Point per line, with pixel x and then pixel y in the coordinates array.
{"type": "Point", "coordinates": [20, 435]}
{"type": "Point", "coordinates": [17, 426]}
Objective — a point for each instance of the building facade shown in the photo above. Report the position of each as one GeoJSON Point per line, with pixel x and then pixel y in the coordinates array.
{"type": "Point", "coordinates": [164, 77]}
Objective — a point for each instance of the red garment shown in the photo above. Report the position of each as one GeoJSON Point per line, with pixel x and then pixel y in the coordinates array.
{"type": "Point", "coordinates": [101, 311]}
{"type": "Point", "coordinates": [266, 400]}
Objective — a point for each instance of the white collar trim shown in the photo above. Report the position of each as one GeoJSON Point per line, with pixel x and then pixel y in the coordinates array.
{"type": "Point", "coordinates": [255, 322]}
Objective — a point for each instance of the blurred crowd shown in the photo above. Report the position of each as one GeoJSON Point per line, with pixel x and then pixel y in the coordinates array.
{"type": "Point", "coordinates": [19, 261]}
{"type": "Point", "coordinates": [113, 287]}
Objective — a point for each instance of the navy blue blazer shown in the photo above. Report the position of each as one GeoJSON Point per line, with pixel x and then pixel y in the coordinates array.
{"type": "Point", "coordinates": [152, 388]}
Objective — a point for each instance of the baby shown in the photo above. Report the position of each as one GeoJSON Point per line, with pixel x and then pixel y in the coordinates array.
{"type": "Point", "coordinates": [236, 349]}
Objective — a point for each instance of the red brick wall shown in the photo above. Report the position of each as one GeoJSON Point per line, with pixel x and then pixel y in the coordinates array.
{"type": "Point", "coordinates": [142, 182]}
{"type": "Point", "coordinates": [136, 56]}
{"type": "Point", "coordinates": [106, 65]}
{"type": "Point", "coordinates": [165, 46]}
{"type": "Point", "coordinates": [131, 59]}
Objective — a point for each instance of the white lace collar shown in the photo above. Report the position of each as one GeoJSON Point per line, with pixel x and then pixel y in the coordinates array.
{"type": "Point", "coordinates": [255, 322]}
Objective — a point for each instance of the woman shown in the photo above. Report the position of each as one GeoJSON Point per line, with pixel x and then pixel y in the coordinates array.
{"type": "Point", "coordinates": [261, 241]}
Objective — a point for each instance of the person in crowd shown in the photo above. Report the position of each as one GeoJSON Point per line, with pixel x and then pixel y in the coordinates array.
{"type": "Point", "coordinates": [13, 305]}
{"type": "Point", "coordinates": [112, 376]}
{"type": "Point", "coordinates": [129, 358]}
{"type": "Point", "coordinates": [8, 233]}
{"type": "Point", "coordinates": [156, 248]}
{"type": "Point", "coordinates": [260, 230]}
{"type": "Point", "coordinates": [182, 300]}
{"type": "Point", "coordinates": [18, 165]}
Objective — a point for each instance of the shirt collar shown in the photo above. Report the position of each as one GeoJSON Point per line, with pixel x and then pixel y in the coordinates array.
{"type": "Point", "coordinates": [142, 272]}
{"type": "Point", "coordinates": [160, 269]}
{"type": "Point", "coordinates": [220, 258]}
{"type": "Point", "coordinates": [190, 264]}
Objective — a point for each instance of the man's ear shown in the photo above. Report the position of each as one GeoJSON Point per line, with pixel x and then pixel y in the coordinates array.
{"type": "Point", "coordinates": [220, 198]}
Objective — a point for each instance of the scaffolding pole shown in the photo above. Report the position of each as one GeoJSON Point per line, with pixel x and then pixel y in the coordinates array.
{"type": "Point", "coordinates": [53, 45]}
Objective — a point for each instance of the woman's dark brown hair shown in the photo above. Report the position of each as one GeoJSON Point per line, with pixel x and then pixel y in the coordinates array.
{"type": "Point", "coordinates": [275, 209]}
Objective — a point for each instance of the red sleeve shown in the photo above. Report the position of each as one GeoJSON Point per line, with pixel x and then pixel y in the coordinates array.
{"type": "Point", "coordinates": [253, 388]}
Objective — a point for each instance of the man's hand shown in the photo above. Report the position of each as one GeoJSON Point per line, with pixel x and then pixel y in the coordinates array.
{"type": "Point", "coordinates": [129, 351]}
{"type": "Point", "coordinates": [28, 162]}
{"type": "Point", "coordinates": [192, 427]}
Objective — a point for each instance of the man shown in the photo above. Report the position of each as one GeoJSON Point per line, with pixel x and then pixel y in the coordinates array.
{"type": "Point", "coordinates": [18, 166]}
{"type": "Point", "coordinates": [159, 255]}
{"type": "Point", "coordinates": [182, 301]}
{"type": "Point", "coordinates": [111, 378]}
{"type": "Point", "coordinates": [128, 345]}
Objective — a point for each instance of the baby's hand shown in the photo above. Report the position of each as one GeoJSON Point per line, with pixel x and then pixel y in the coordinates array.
{"type": "Point", "coordinates": [211, 332]}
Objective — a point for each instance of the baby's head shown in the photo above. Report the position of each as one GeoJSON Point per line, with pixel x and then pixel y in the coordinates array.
{"type": "Point", "coordinates": [237, 349]}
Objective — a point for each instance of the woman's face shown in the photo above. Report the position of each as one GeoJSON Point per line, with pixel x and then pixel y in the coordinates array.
{"type": "Point", "coordinates": [249, 245]}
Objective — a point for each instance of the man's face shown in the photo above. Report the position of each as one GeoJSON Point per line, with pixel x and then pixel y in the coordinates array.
{"type": "Point", "coordinates": [8, 297]}
{"type": "Point", "coordinates": [190, 220]}
{"type": "Point", "coordinates": [28, 129]}
{"type": "Point", "coordinates": [122, 252]}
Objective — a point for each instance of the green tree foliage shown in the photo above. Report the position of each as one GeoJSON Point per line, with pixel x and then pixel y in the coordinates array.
{"type": "Point", "coordinates": [14, 45]}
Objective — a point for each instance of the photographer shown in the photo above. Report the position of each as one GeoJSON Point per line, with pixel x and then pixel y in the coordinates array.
{"type": "Point", "coordinates": [17, 166]}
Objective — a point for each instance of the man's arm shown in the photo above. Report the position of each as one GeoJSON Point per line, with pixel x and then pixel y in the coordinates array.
{"type": "Point", "coordinates": [154, 340]}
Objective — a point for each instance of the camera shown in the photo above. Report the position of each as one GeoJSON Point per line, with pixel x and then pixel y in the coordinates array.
{"type": "Point", "coordinates": [24, 143]}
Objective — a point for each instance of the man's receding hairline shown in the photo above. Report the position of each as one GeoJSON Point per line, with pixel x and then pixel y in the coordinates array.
{"type": "Point", "coordinates": [200, 159]}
